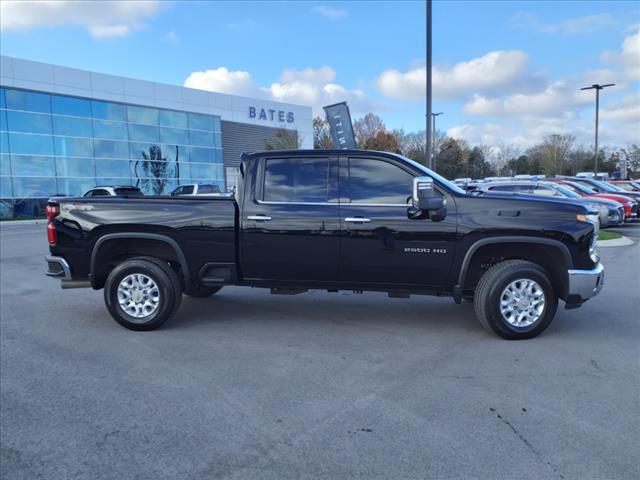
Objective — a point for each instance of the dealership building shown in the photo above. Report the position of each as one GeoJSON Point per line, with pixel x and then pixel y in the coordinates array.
{"type": "Point", "coordinates": [64, 131]}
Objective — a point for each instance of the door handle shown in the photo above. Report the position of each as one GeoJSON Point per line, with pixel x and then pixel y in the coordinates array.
{"type": "Point", "coordinates": [357, 220]}
{"type": "Point", "coordinates": [259, 218]}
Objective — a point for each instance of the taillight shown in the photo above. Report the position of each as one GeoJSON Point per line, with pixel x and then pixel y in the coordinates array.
{"type": "Point", "coordinates": [52, 212]}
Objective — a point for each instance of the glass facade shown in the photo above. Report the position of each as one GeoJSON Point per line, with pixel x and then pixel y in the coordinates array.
{"type": "Point", "coordinates": [62, 145]}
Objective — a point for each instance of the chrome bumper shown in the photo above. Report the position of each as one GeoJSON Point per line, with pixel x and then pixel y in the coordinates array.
{"type": "Point", "coordinates": [58, 267]}
{"type": "Point", "coordinates": [586, 283]}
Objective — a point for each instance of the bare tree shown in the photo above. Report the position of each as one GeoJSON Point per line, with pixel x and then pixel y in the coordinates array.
{"type": "Point", "coordinates": [285, 140]}
{"type": "Point", "coordinates": [366, 128]}
{"type": "Point", "coordinates": [554, 151]}
{"type": "Point", "coordinates": [321, 134]}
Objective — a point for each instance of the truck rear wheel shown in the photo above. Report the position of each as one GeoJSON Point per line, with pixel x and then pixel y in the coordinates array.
{"type": "Point", "coordinates": [515, 299]}
{"type": "Point", "coordinates": [142, 293]}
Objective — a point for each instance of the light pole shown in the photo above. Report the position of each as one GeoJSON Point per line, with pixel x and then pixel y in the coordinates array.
{"type": "Point", "coordinates": [433, 136]}
{"type": "Point", "coordinates": [428, 132]}
{"type": "Point", "coordinates": [597, 88]}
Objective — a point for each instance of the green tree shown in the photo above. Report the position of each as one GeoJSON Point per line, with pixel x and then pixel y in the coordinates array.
{"type": "Point", "coordinates": [451, 160]}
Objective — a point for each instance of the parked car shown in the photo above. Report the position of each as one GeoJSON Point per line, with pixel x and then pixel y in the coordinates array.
{"type": "Point", "coordinates": [113, 191]}
{"type": "Point", "coordinates": [604, 187]}
{"type": "Point", "coordinates": [630, 206]}
{"type": "Point", "coordinates": [626, 185]}
{"type": "Point", "coordinates": [197, 189]}
{"type": "Point", "coordinates": [332, 220]}
{"type": "Point", "coordinates": [610, 213]}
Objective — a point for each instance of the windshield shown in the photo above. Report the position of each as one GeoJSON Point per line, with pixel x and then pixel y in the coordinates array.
{"type": "Point", "coordinates": [439, 178]}
{"type": "Point", "coordinates": [565, 190]}
{"type": "Point", "coordinates": [578, 187]}
{"type": "Point", "coordinates": [606, 187]}
{"type": "Point", "coordinates": [636, 184]}
{"type": "Point", "coordinates": [625, 186]}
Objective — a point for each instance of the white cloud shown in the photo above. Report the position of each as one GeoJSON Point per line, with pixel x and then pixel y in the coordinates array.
{"type": "Point", "coordinates": [572, 26]}
{"type": "Point", "coordinates": [222, 80]}
{"type": "Point", "coordinates": [557, 100]}
{"type": "Point", "coordinates": [332, 13]}
{"type": "Point", "coordinates": [497, 71]}
{"type": "Point", "coordinates": [628, 56]}
{"type": "Point", "coordinates": [309, 86]}
{"type": "Point", "coordinates": [100, 18]}
{"type": "Point", "coordinates": [626, 112]}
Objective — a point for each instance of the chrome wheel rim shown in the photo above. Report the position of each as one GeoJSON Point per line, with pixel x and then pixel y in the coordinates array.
{"type": "Point", "coordinates": [138, 296]}
{"type": "Point", "coordinates": [522, 302]}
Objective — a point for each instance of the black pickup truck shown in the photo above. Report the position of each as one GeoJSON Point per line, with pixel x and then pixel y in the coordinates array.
{"type": "Point", "coordinates": [333, 220]}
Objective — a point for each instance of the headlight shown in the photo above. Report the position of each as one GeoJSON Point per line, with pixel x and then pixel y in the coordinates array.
{"type": "Point", "coordinates": [595, 221]}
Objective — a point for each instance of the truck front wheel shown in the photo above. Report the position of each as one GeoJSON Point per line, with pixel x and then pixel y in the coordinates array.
{"type": "Point", "coordinates": [515, 299]}
{"type": "Point", "coordinates": [141, 293]}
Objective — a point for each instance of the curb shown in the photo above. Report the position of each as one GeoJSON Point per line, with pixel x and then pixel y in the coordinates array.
{"type": "Point", "coordinates": [616, 242]}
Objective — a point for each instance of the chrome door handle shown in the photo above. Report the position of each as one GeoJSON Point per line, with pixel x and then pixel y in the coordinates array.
{"type": "Point", "coordinates": [357, 220]}
{"type": "Point", "coordinates": [259, 218]}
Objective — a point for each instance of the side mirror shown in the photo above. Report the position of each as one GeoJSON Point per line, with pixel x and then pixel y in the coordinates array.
{"type": "Point", "coordinates": [426, 200]}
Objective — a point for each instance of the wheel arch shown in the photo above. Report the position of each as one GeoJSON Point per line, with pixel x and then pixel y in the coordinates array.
{"type": "Point", "coordinates": [134, 244]}
{"type": "Point", "coordinates": [550, 254]}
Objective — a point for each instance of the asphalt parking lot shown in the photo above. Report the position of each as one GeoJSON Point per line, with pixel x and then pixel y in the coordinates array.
{"type": "Point", "coordinates": [319, 385]}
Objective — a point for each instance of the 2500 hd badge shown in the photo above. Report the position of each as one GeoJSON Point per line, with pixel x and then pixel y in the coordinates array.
{"type": "Point", "coordinates": [424, 250]}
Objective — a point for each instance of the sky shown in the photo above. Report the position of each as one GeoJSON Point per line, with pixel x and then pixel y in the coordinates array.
{"type": "Point", "coordinates": [505, 73]}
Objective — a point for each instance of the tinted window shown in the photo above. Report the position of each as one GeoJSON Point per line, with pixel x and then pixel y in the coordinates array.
{"type": "Point", "coordinates": [4, 142]}
{"type": "Point", "coordinates": [545, 191]}
{"type": "Point", "coordinates": [77, 107]}
{"type": "Point", "coordinates": [75, 167]}
{"type": "Point", "coordinates": [34, 186]}
{"type": "Point", "coordinates": [208, 189]}
{"type": "Point", "coordinates": [29, 122]}
{"type": "Point", "coordinates": [201, 138]}
{"type": "Point", "coordinates": [76, 127]}
{"type": "Point", "coordinates": [111, 149]}
{"type": "Point", "coordinates": [200, 122]}
{"type": "Point", "coordinates": [30, 144]}
{"type": "Point", "coordinates": [3, 120]}
{"type": "Point", "coordinates": [73, 147]}
{"type": "Point", "coordinates": [28, 165]}
{"type": "Point", "coordinates": [379, 182]}
{"type": "Point", "coordinates": [113, 168]}
{"type": "Point", "coordinates": [128, 191]}
{"type": "Point", "coordinates": [30, 101]}
{"type": "Point", "coordinates": [146, 115]}
{"type": "Point", "coordinates": [201, 154]}
{"type": "Point", "coordinates": [143, 133]}
{"type": "Point", "coordinates": [188, 190]}
{"type": "Point", "coordinates": [170, 118]}
{"type": "Point", "coordinates": [174, 135]}
{"type": "Point", "coordinates": [110, 130]}
{"type": "Point", "coordinates": [5, 167]}
{"type": "Point", "coordinates": [203, 171]}
{"type": "Point", "coordinates": [296, 180]}
{"type": "Point", "coordinates": [108, 110]}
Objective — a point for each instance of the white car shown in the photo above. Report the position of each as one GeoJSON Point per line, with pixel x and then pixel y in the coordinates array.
{"type": "Point", "coordinates": [197, 189]}
{"type": "Point", "coordinates": [113, 191]}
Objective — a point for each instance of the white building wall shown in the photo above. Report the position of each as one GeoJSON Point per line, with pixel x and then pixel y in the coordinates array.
{"type": "Point", "coordinates": [19, 73]}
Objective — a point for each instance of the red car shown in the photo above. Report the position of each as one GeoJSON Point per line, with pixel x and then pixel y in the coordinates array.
{"type": "Point", "coordinates": [630, 205]}
{"type": "Point", "coordinates": [628, 185]}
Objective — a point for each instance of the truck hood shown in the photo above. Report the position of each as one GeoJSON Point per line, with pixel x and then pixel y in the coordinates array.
{"type": "Point", "coordinates": [519, 197]}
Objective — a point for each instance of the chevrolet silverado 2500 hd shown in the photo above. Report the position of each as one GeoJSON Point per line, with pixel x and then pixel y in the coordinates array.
{"type": "Point", "coordinates": [333, 220]}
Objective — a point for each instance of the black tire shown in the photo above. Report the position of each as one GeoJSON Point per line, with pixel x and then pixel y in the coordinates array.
{"type": "Point", "coordinates": [202, 291]}
{"type": "Point", "coordinates": [490, 290]}
{"type": "Point", "coordinates": [168, 289]}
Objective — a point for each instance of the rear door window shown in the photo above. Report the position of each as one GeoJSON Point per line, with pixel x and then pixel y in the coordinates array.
{"type": "Point", "coordinates": [296, 180]}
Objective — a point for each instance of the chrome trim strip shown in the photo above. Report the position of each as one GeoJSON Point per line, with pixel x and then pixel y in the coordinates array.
{"type": "Point", "coordinates": [357, 220]}
{"type": "Point", "coordinates": [586, 283]}
{"type": "Point", "coordinates": [262, 202]}
{"type": "Point", "coordinates": [259, 218]}
{"type": "Point", "coordinates": [63, 263]}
